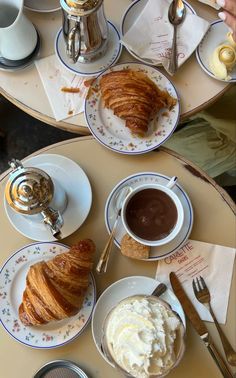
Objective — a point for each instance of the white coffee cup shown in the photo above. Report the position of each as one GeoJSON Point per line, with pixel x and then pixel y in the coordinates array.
{"type": "Point", "coordinates": [144, 222]}
{"type": "Point", "coordinates": [18, 37]}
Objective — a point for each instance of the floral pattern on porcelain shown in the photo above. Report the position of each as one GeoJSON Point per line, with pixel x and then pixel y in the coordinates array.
{"type": "Point", "coordinates": [12, 284]}
{"type": "Point", "coordinates": [110, 130]}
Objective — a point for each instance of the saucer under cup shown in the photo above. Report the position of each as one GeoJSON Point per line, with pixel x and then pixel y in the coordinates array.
{"type": "Point", "coordinates": [134, 181]}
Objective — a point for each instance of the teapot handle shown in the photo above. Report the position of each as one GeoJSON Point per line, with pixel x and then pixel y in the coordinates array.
{"type": "Point", "coordinates": [71, 50]}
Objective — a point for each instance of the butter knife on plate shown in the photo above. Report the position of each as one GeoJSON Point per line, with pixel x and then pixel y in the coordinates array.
{"type": "Point", "coordinates": [198, 325]}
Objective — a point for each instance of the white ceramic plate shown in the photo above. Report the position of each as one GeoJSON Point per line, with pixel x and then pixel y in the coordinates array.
{"type": "Point", "coordinates": [130, 16]}
{"type": "Point", "coordinates": [121, 289]}
{"type": "Point", "coordinates": [215, 36]}
{"type": "Point", "coordinates": [94, 68]}
{"type": "Point", "coordinates": [12, 285]}
{"type": "Point", "coordinates": [110, 130]}
{"type": "Point", "coordinates": [79, 198]}
{"type": "Point", "coordinates": [42, 6]}
{"type": "Point", "coordinates": [141, 178]}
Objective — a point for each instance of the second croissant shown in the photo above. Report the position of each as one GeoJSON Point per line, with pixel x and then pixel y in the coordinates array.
{"type": "Point", "coordinates": [55, 289]}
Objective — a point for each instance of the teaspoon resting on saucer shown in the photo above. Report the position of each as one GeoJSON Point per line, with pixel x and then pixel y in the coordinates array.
{"type": "Point", "coordinates": [103, 261]}
{"type": "Point", "coordinates": [176, 15]}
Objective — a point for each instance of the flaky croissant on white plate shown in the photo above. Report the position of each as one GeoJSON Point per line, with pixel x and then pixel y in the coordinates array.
{"type": "Point", "coordinates": [134, 97]}
{"type": "Point", "coordinates": [55, 289]}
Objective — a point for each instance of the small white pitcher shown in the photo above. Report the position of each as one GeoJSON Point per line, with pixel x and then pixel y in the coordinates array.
{"type": "Point", "coordinates": [18, 37]}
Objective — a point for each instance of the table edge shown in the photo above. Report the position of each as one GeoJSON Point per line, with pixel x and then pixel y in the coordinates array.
{"type": "Point", "coordinates": [83, 130]}
{"type": "Point", "coordinates": [190, 166]}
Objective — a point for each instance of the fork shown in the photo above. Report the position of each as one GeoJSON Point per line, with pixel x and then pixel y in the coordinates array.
{"type": "Point", "coordinates": [203, 296]}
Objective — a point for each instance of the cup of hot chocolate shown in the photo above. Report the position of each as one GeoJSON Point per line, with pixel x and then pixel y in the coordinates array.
{"type": "Point", "coordinates": [153, 214]}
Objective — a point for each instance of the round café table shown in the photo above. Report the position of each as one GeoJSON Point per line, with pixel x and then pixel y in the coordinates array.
{"type": "Point", "coordinates": [214, 214]}
{"type": "Point", "coordinates": [24, 88]}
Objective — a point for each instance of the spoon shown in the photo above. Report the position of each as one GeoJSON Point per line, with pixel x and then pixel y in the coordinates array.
{"type": "Point", "coordinates": [119, 200]}
{"type": "Point", "coordinates": [176, 15]}
{"type": "Point", "coordinates": [159, 290]}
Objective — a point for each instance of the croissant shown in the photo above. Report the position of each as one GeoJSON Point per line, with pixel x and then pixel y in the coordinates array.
{"type": "Point", "coordinates": [55, 289]}
{"type": "Point", "coordinates": [134, 97]}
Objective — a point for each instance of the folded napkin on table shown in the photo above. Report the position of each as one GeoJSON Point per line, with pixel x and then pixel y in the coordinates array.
{"type": "Point", "coordinates": [66, 91]}
{"type": "Point", "coordinates": [213, 262]}
{"type": "Point", "coordinates": [151, 34]}
{"type": "Point", "coordinates": [212, 3]}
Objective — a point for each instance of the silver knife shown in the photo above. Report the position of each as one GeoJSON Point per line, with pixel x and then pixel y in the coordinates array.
{"type": "Point", "coordinates": [198, 324]}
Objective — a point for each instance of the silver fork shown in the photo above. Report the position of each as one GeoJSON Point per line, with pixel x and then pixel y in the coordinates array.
{"type": "Point", "coordinates": [203, 296]}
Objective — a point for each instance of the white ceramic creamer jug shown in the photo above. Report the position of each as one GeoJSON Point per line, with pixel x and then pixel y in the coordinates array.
{"type": "Point", "coordinates": [18, 36]}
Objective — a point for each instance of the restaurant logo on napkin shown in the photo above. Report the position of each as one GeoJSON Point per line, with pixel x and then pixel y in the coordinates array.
{"type": "Point", "coordinates": [151, 34]}
{"type": "Point", "coordinates": [213, 262]}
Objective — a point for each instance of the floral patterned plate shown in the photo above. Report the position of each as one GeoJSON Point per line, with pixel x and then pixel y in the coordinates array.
{"type": "Point", "coordinates": [12, 285]}
{"type": "Point", "coordinates": [110, 130]}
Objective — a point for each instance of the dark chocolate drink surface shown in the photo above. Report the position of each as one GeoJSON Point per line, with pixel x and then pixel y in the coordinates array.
{"type": "Point", "coordinates": [151, 214]}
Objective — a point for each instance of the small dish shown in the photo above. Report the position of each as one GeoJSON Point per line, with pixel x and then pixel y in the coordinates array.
{"type": "Point", "coordinates": [12, 285]}
{"type": "Point", "coordinates": [110, 130]}
{"type": "Point", "coordinates": [120, 290]}
{"type": "Point", "coordinates": [62, 368]}
{"type": "Point", "coordinates": [15, 65]}
{"type": "Point", "coordinates": [75, 184]}
{"type": "Point", "coordinates": [94, 68]}
{"type": "Point", "coordinates": [130, 16]}
{"type": "Point", "coordinates": [215, 36]}
{"type": "Point", "coordinates": [138, 179]}
{"type": "Point", "coordinates": [42, 6]}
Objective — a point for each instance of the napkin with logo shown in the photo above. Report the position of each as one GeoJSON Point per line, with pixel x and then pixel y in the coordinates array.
{"type": "Point", "coordinates": [213, 262]}
{"type": "Point", "coordinates": [65, 91]}
{"type": "Point", "coordinates": [151, 34]}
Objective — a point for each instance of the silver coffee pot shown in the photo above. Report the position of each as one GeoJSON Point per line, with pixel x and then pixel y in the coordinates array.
{"type": "Point", "coordinates": [29, 191]}
{"type": "Point", "coordinates": [85, 29]}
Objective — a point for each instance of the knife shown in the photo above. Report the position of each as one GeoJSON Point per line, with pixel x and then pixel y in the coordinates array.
{"type": "Point", "coordinates": [198, 324]}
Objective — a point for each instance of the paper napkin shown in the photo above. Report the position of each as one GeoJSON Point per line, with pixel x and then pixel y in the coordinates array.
{"type": "Point", "coordinates": [213, 262]}
{"type": "Point", "coordinates": [151, 34]}
{"type": "Point", "coordinates": [58, 83]}
{"type": "Point", "coordinates": [212, 3]}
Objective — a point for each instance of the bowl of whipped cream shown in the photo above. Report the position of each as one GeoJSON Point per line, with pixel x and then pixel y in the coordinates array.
{"type": "Point", "coordinates": [143, 337]}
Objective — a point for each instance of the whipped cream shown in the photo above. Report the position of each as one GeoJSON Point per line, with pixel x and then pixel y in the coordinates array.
{"type": "Point", "coordinates": [140, 336]}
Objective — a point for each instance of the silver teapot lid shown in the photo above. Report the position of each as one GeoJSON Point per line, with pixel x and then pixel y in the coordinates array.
{"type": "Point", "coordinates": [29, 190]}
{"type": "Point", "coordinates": [80, 7]}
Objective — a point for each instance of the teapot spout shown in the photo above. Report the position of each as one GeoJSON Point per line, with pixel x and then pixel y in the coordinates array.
{"type": "Point", "coordinates": [54, 220]}
{"type": "Point", "coordinates": [15, 164]}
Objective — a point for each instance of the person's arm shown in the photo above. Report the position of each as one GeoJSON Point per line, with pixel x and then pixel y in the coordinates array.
{"type": "Point", "coordinates": [228, 14]}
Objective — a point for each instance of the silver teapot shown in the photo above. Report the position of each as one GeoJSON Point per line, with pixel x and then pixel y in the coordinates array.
{"type": "Point", "coordinates": [85, 29]}
{"type": "Point", "coordinates": [29, 191]}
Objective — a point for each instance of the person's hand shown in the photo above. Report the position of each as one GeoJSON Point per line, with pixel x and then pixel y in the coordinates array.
{"type": "Point", "coordinates": [228, 14]}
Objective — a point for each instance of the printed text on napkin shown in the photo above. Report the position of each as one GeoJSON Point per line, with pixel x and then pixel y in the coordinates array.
{"type": "Point", "coordinates": [151, 34]}
{"type": "Point", "coordinates": [213, 262]}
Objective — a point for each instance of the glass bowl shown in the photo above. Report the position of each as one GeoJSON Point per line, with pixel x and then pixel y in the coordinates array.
{"type": "Point", "coordinates": [134, 337]}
